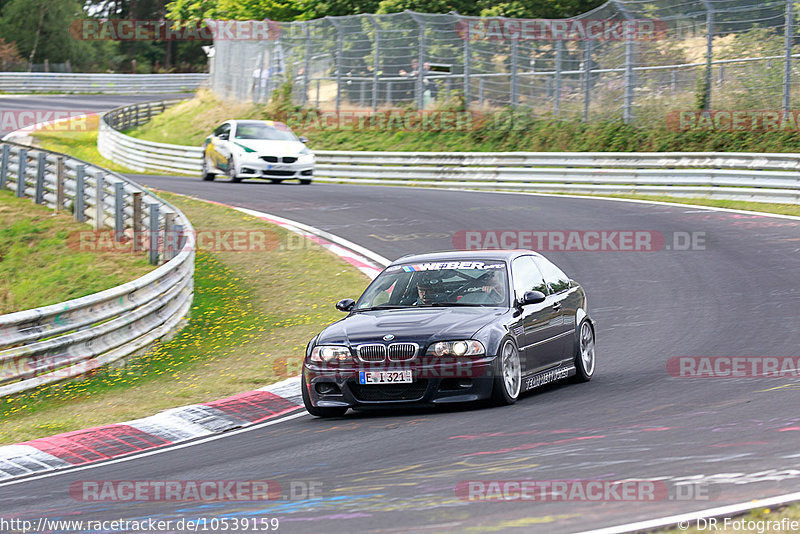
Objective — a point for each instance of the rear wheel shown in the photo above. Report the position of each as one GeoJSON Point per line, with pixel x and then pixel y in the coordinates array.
{"type": "Point", "coordinates": [508, 379]}
{"type": "Point", "coordinates": [305, 181]}
{"type": "Point", "coordinates": [585, 353]}
{"type": "Point", "coordinates": [207, 176]}
{"type": "Point", "coordinates": [315, 411]}
{"type": "Point", "coordinates": [232, 171]}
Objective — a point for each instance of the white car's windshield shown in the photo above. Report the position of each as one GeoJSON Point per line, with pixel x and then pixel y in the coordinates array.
{"type": "Point", "coordinates": [264, 131]}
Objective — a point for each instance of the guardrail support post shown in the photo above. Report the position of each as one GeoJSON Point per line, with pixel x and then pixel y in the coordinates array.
{"type": "Point", "coordinates": [80, 192]}
{"type": "Point", "coordinates": [153, 231]}
{"type": "Point", "coordinates": [99, 199]}
{"type": "Point", "coordinates": [21, 172]}
{"type": "Point", "coordinates": [170, 241]}
{"type": "Point", "coordinates": [60, 177]}
{"type": "Point", "coordinates": [6, 154]}
{"type": "Point", "coordinates": [119, 211]}
{"type": "Point", "coordinates": [181, 239]}
{"type": "Point", "coordinates": [137, 221]}
{"type": "Point", "coordinates": [41, 166]}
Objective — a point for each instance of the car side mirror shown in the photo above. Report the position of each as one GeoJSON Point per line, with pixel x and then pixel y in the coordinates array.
{"type": "Point", "coordinates": [531, 297]}
{"type": "Point", "coordinates": [222, 137]}
{"type": "Point", "coordinates": [303, 139]}
{"type": "Point", "coordinates": [345, 305]}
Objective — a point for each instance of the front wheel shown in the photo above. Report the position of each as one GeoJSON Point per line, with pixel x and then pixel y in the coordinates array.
{"type": "Point", "coordinates": [314, 410]}
{"type": "Point", "coordinates": [232, 171]}
{"type": "Point", "coordinates": [508, 379]}
{"type": "Point", "coordinates": [207, 176]}
{"type": "Point", "coordinates": [585, 353]}
{"type": "Point", "coordinates": [305, 181]}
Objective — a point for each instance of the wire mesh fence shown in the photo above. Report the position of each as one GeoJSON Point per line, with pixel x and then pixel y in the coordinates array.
{"type": "Point", "coordinates": [632, 59]}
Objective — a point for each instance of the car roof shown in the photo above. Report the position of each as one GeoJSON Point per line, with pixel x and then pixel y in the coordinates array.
{"type": "Point", "coordinates": [499, 255]}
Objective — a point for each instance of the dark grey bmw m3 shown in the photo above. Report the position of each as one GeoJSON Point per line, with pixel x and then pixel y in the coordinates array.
{"type": "Point", "coordinates": [452, 327]}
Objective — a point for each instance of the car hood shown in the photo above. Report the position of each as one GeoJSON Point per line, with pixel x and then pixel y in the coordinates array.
{"type": "Point", "coordinates": [420, 325]}
{"type": "Point", "coordinates": [271, 148]}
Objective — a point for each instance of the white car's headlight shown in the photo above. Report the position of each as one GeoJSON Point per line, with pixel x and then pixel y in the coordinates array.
{"type": "Point", "coordinates": [306, 158]}
{"type": "Point", "coordinates": [330, 354]}
{"type": "Point", "coordinates": [465, 347]}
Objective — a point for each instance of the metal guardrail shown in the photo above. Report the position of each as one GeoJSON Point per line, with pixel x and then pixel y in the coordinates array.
{"type": "Point", "coordinates": [737, 176]}
{"type": "Point", "coordinates": [68, 339]}
{"type": "Point", "coordinates": [40, 82]}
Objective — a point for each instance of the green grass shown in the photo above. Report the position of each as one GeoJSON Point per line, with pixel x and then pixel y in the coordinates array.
{"type": "Point", "coordinates": [190, 122]}
{"type": "Point", "coordinates": [39, 264]}
{"type": "Point", "coordinates": [252, 316]}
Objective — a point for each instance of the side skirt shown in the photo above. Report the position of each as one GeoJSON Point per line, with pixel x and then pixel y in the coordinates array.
{"type": "Point", "coordinates": [547, 377]}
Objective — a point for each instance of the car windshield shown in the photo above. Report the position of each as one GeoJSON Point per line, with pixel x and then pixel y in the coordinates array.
{"type": "Point", "coordinates": [279, 132]}
{"type": "Point", "coordinates": [430, 284]}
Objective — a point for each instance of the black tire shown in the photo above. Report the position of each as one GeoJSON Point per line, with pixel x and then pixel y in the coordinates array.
{"type": "Point", "coordinates": [506, 390]}
{"type": "Point", "coordinates": [232, 171]}
{"type": "Point", "coordinates": [207, 176]}
{"type": "Point", "coordinates": [305, 181]}
{"type": "Point", "coordinates": [585, 360]}
{"type": "Point", "coordinates": [313, 410]}
{"type": "Point", "coordinates": [275, 180]}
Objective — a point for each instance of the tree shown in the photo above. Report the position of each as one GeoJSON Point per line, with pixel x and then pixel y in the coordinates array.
{"type": "Point", "coordinates": [40, 29]}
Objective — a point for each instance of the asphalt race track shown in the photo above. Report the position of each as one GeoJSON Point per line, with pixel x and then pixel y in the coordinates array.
{"type": "Point", "coordinates": [708, 441]}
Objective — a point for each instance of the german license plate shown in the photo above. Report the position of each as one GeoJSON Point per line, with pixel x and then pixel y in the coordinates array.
{"type": "Point", "coordinates": [385, 377]}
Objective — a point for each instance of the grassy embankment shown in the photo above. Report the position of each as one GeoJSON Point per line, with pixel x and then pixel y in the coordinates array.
{"type": "Point", "coordinates": [253, 313]}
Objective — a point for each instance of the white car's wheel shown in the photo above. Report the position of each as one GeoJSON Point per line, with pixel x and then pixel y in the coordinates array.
{"type": "Point", "coordinates": [232, 174]}
{"type": "Point", "coordinates": [207, 176]}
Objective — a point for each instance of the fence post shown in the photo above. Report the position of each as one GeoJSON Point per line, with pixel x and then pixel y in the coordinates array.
{"type": "Point", "coordinates": [60, 177]}
{"type": "Point", "coordinates": [514, 76]}
{"type": "Point", "coordinates": [153, 230]}
{"type": "Point", "coordinates": [421, 66]}
{"type": "Point", "coordinates": [376, 63]}
{"type": "Point", "coordinates": [339, 46]}
{"type": "Point", "coordinates": [557, 89]}
{"type": "Point", "coordinates": [21, 172]}
{"type": "Point", "coordinates": [41, 166]}
{"type": "Point", "coordinates": [709, 53]}
{"type": "Point", "coordinates": [6, 154]}
{"type": "Point", "coordinates": [587, 78]}
{"type": "Point", "coordinates": [307, 61]}
{"type": "Point", "coordinates": [99, 200]}
{"type": "Point", "coordinates": [787, 61]}
{"type": "Point", "coordinates": [627, 110]}
{"type": "Point", "coordinates": [467, 65]}
{"type": "Point", "coordinates": [119, 211]}
{"type": "Point", "coordinates": [80, 192]}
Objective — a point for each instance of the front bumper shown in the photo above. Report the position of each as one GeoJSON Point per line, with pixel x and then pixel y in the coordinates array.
{"type": "Point", "coordinates": [434, 384]}
{"type": "Point", "coordinates": [284, 171]}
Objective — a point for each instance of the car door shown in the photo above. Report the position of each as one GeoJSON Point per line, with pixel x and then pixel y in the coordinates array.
{"type": "Point", "coordinates": [219, 150]}
{"type": "Point", "coordinates": [535, 323]}
{"type": "Point", "coordinates": [564, 299]}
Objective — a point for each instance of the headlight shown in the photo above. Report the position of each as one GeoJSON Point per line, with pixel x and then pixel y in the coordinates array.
{"type": "Point", "coordinates": [466, 347]}
{"type": "Point", "coordinates": [330, 353]}
{"type": "Point", "coordinates": [306, 158]}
